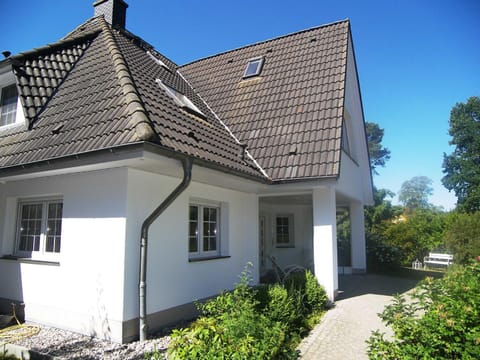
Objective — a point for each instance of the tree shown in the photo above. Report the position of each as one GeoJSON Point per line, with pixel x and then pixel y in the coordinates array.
{"type": "Point", "coordinates": [462, 167]}
{"type": "Point", "coordinates": [378, 154]}
{"type": "Point", "coordinates": [414, 193]}
{"type": "Point", "coordinates": [462, 237]}
{"type": "Point", "coordinates": [378, 218]}
{"type": "Point", "coordinates": [418, 234]}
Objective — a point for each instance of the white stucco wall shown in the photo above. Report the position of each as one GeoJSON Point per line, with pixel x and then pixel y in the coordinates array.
{"type": "Point", "coordinates": [171, 279]}
{"type": "Point", "coordinates": [355, 178]}
{"type": "Point", "coordinates": [302, 252]}
{"type": "Point", "coordinates": [92, 287]}
{"type": "Point", "coordinates": [83, 291]}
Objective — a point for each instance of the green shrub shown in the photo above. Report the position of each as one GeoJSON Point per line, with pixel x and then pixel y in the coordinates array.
{"type": "Point", "coordinates": [441, 321]}
{"type": "Point", "coordinates": [463, 236]}
{"type": "Point", "coordinates": [278, 305]}
{"type": "Point", "coordinates": [383, 257]}
{"type": "Point", "coordinates": [312, 295]}
{"type": "Point", "coordinates": [231, 327]}
{"type": "Point", "coordinates": [315, 295]}
{"type": "Point", "coordinates": [265, 322]}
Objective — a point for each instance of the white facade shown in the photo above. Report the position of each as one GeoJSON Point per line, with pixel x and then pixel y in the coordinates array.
{"type": "Point", "coordinates": [92, 287]}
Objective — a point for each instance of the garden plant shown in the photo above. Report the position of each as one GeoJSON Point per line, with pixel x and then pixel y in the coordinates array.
{"type": "Point", "coordinates": [441, 320]}
{"type": "Point", "coordinates": [263, 322]}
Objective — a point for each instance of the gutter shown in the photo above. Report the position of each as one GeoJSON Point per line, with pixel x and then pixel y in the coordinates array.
{"type": "Point", "coordinates": [187, 177]}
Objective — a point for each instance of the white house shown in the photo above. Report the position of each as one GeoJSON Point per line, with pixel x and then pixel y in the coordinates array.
{"type": "Point", "coordinates": [131, 187]}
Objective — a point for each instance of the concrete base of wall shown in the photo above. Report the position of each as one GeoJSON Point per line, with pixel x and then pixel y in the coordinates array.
{"type": "Point", "coordinates": [6, 308]}
{"type": "Point", "coordinates": [130, 328]}
{"type": "Point", "coordinates": [161, 319]}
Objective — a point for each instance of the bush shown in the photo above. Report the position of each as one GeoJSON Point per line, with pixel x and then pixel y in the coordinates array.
{"type": "Point", "coordinates": [252, 323]}
{"type": "Point", "coordinates": [275, 302]}
{"type": "Point", "coordinates": [383, 257]}
{"type": "Point", "coordinates": [463, 236]}
{"type": "Point", "coordinates": [442, 320]}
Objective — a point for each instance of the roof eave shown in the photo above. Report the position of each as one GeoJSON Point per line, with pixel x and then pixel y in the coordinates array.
{"type": "Point", "coordinates": [112, 154]}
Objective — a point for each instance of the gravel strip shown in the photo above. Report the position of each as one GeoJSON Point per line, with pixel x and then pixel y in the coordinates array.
{"type": "Point", "coordinates": [69, 345]}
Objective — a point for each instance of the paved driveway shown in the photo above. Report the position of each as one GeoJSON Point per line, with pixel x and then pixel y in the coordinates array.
{"type": "Point", "coordinates": [343, 330]}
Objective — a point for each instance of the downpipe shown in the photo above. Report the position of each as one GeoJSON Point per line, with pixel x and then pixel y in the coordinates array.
{"type": "Point", "coordinates": [187, 177]}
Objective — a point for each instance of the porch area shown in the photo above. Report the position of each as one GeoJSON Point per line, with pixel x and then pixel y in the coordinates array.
{"type": "Point", "coordinates": [300, 229]}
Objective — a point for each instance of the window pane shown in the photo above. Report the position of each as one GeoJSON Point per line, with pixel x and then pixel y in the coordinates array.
{"type": "Point", "coordinates": [193, 213]}
{"type": "Point", "coordinates": [251, 68]}
{"type": "Point", "coordinates": [209, 229]}
{"type": "Point", "coordinates": [8, 105]}
{"type": "Point", "coordinates": [282, 228]}
{"type": "Point", "coordinates": [54, 227]}
{"type": "Point", "coordinates": [30, 227]}
{"type": "Point", "coordinates": [193, 244]}
{"type": "Point", "coordinates": [193, 237]}
{"type": "Point", "coordinates": [193, 229]}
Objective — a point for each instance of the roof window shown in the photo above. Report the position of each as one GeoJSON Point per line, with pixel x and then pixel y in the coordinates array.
{"type": "Point", "coordinates": [181, 99]}
{"type": "Point", "coordinates": [158, 61]}
{"type": "Point", "coordinates": [254, 67]}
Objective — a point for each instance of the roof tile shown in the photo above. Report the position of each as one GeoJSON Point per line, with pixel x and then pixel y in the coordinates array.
{"type": "Point", "coordinates": [295, 101]}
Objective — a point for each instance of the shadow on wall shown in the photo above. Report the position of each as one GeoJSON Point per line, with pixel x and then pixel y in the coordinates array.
{"type": "Point", "coordinates": [11, 290]}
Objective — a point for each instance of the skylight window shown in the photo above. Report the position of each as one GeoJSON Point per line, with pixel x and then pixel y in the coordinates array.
{"type": "Point", "coordinates": [181, 99]}
{"type": "Point", "coordinates": [254, 67]}
{"type": "Point", "coordinates": [158, 61]}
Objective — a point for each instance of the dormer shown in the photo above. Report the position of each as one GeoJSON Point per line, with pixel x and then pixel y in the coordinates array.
{"type": "Point", "coordinates": [11, 110]}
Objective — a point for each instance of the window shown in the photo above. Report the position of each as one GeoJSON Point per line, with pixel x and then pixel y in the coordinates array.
{"type": "Point", "coordinates": [203, 231]}
{"type": "Point", "coordinates": [39, 227]}
{"type": "Point", "coordinates": [284, 231]}
{"type": "Point", "coordinates": [158, 61]}
{"type": "Point", "coordinates": [8, 105]}
{"type": "Point", "coordinates": [345, 141]}
{"type": "Point", "coordinates": [254, 67]}
{"type": "Point", "coordinates": [181, 99]}
{"type": "Point", "coordinates": [348, 142]}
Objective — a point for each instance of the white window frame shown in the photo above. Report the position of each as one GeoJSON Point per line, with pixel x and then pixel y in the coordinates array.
{"type": "Point", "coordinates": [258, 61]}
{"type": "Point", "coordinates": [7, 78]}
{"type": "Point", "coordinates": [200, 253]}
{"type": "Point", "coordinates": [11, 109]}
{"type": "Point", "coordinates": [41, 253]}
{"type": "Point", "coordinates": [291, 227]}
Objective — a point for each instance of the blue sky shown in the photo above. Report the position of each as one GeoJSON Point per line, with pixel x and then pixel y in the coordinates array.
{"type": "Point", "coordinates": [415, 58]}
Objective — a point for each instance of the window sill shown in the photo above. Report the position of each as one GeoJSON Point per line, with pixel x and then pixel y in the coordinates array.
{"type": "Point", "coordinates": [208, 258]}
{"type": "Point", "coordinates": [30, 261]}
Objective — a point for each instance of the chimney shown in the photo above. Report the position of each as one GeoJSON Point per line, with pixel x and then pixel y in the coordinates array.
{"type": "Point", "coordinates": [114, 11]}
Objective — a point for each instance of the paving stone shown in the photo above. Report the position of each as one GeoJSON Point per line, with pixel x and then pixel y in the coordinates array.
{"type": "Point", "coordinates": [343, 330]}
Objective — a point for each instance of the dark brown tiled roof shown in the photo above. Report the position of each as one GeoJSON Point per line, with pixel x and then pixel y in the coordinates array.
{"type": "Point", "coordinates": [96, 89]}
{"type": "Point", "coordinates": [40, 72]}
{"type": "Point", "coordinates": [291, 115]}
